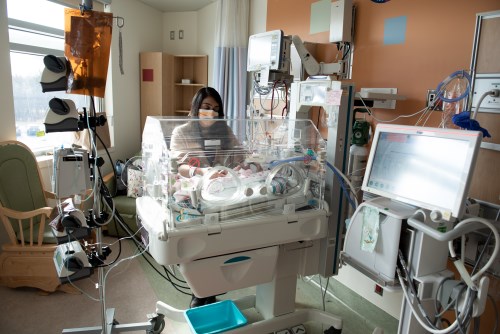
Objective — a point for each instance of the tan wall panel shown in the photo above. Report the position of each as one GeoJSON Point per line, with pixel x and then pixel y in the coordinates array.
{"type": "Point", "coordinates": [439, 40]}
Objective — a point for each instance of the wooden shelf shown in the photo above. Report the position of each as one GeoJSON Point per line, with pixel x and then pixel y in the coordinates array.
{"type": "Point", "coordinates": [162, 92]}
{"type": "Point", "coordinates": [191, 84]}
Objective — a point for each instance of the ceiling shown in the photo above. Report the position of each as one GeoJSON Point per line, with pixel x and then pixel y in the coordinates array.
{"type": "Point", "coordinates": [177, 5]}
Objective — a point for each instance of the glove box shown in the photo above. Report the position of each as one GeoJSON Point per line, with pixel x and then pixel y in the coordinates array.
{"type": "Point", "coordinates": [216, 275]}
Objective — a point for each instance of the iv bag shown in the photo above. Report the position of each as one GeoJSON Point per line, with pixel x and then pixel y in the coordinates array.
{"type": "Point", "coordinates": [87, 46]}
{"type": "Point", "coordinates": [454, 90]}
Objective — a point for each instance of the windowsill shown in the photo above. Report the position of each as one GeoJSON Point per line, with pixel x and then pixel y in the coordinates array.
{"type": "Point", "coordinates": [46, 159]}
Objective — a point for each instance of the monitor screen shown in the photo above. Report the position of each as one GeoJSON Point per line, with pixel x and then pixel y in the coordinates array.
{"type": "Point", "coordinates": [264, 51]}
{"type": "Point", "coordinates": [429, 168]}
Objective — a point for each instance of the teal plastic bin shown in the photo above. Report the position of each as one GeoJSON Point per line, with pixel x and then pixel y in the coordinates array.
{"type": "Point", "coordinates": [215, 318]}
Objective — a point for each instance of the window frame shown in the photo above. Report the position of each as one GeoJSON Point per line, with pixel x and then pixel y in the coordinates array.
{"type": "Point", "coordinates": [34, 28]}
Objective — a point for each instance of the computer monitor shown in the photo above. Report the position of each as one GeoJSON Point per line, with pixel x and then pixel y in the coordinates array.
{"type": "Point", "coordinates": [265, 51]}
{"type": "Point", "coordinates": [430, 168]}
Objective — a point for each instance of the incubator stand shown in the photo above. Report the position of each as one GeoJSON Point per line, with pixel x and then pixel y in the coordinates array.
{"type": "Point", "coordinates": [255, 218]}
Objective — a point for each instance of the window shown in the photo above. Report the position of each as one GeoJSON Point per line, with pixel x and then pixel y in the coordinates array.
{"type": "Point", "coordinates": [36, 29]}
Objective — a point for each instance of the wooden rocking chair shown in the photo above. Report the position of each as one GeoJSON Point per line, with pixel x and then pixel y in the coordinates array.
{"type": "Point", "coordinates": [27, 260]}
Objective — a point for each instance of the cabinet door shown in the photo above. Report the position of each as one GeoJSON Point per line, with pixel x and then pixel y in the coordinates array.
{"type": "Point", "coordinates": [151, 85]}
{"type": "Point", "coordinates": [156, 85]}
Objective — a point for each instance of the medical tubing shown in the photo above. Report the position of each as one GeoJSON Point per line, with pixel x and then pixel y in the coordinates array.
{"type": "Point", "coordinates": [417, 316]}
{"type": "Point", "coordinates": [468, 308]}
{"type": "Point", "coordinates": [458, 322]}
{"type": "Point", "coordinates": [335, 171]}
{"type": "Point", "coordinates": [342, 184]}
{"type": "Point", "coordinates": [465, 316]}
{"type": "Point", "coordinates": [293, 159]}
{"type": "Point", "coordinates": [480, 101]}
{"type": "Point", "coordinates": [457, 314]}
{"type": "Point", "coordinates": [111, 268]}
{"type": "Point", "coordinates": [286, 99]}
{"type": "Point", "coordinates": [93, 150]}
{"type": "Point", "coordinates": [171, 271]}
{"type": "Point", "coordinates": [176, 286]}
{"type": "Point", "coordinates": [440, 88]}
{"type": "Point", "coordinates": [272, 98]}
{"type": "Point", "coordinates": [115, 214]}
{"type": "Point", "coordinates": [423, 111]}
{"type": "Point", "coordinates": [140, 246]}
{"type": "Point", "coordinates": [412, 287]}
{"type": "Point", "coordinates": [475, 277]}
{"type": "Point", "coordinates": [112, 208]}
{"type": "Point", "coordinates": [483, 249]}
{"type": "Point", "coordinates": [168, 279]}
{"type": "Point", "coordinates": [446, 308]}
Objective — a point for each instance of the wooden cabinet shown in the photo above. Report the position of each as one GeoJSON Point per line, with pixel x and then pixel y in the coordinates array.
{"type": "Point", "coordinates": [164, 90]}
{"type": "Point", "coordinates": [194, 69]}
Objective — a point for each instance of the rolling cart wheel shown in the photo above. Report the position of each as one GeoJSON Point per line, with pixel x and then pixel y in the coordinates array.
{"type": "Point", "coordinates": [158, 323]}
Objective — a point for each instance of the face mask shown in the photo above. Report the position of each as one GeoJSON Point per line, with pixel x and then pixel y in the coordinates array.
{"type": "Point", "coordinates": [203, 113]}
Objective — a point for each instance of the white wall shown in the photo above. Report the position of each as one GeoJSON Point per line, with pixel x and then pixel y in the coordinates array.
{"type": "Point", "coordinates": [258, 16]}
{"type": "Point", "coordinates": [142, 32]}
{"type": "Point", "coordinates": [206, 36]}
{"type": "Point", "coordinates": [199, 34]}
{"type": "Point", "coordinates": [199, 30]}
{"type": "Point", "coordinates": [186, 21]}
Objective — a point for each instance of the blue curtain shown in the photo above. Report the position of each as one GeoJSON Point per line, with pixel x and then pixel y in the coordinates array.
{"type": "Point", "coordinates": [230, 75]}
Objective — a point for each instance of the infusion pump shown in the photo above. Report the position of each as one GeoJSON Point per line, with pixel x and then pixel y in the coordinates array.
{"type": "Point", "coordinates": [71, 262]}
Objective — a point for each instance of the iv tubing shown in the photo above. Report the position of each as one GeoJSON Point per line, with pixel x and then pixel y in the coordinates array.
{"type": "Point", "coordinates": [440, 87]}
{"type": "Point", "coordinates": [421, 322]}
{"type": "Point", "coordinates": [341, 179]}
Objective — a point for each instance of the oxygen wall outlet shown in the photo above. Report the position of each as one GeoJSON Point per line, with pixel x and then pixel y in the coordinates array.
{"type": "Point", "coordinates": [432, 102]}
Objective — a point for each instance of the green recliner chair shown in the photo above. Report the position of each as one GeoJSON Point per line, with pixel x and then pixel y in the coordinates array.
{"type": "Point", "coordinates": [124, 205]}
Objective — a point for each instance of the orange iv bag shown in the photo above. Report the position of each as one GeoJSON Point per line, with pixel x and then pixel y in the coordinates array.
{"type": "Point", "coordinates": [87, 46]}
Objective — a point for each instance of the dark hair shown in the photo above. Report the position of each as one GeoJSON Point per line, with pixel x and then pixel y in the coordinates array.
{"type": "Point", "coordinates": [201, 95]}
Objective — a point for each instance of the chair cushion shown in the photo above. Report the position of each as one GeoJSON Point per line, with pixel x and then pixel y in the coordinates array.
{"type": "Point", "coordinates": [125, 205]}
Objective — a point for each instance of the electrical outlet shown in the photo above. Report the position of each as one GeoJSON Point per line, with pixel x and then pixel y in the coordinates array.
{"type": "Point", "coordinates": [432, 100]}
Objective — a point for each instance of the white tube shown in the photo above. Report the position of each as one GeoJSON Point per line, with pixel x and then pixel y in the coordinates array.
{"type": "Point", "coordinates": [417, 316]}
{"type": "Point", "coordinates": [493, 256]}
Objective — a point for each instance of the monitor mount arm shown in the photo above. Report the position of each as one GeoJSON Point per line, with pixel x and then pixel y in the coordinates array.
{"type": "Point", "coordinates": [312, 66]}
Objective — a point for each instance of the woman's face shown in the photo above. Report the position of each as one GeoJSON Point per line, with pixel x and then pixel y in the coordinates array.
{"type": "Point", "coordinates": [209, 109]}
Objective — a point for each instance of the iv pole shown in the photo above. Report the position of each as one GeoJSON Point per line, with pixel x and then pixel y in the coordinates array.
{"type": "Point", "coordinates": [108, 325]}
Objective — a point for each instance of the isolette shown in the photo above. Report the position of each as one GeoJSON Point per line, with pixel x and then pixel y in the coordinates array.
{"type": "Point", "coordinates": [254, 218]}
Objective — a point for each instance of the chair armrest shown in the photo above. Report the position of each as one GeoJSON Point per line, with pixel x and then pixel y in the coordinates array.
{"type": "Point", "coordinates": [25, 214]}
{"type": "Point", "coordinates": [108, 178]}
{"type": "Point", "coordinates": [110, 181]}
{"type": "Point", "coordinates": [13, 220]}
{"type": "Point", "coordinates": [50, 194]}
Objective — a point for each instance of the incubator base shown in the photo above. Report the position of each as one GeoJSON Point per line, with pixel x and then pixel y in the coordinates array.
{"type": "Point", "coordinates": [275, 300]}
{"type": "Point", "coordinates": [271, 325]}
